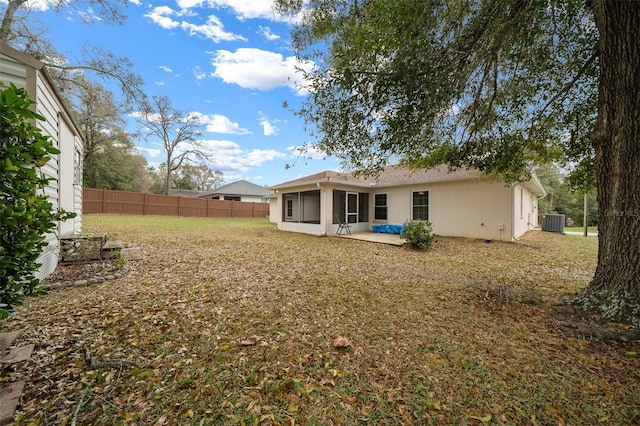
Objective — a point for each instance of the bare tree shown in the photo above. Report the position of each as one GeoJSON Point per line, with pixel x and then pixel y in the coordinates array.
{"type": "Point", "coordinates": [177, 131]}
{"type": "Point", "coordinates": [22, 31]}
{"type": "Point", "coordinates": [108, 10]}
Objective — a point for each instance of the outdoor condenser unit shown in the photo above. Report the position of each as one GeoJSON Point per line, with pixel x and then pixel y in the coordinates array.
{"type": "Point", "coordinates": [553, 223]}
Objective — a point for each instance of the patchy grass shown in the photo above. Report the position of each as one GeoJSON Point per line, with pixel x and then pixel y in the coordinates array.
{"type": "Point", "coordinates": [466, 333]}
{"type": "Point", "coordinates": [590, 229]}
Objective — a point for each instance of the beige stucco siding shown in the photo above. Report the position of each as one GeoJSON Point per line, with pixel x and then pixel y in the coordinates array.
{"type": "Point", "coordinates": [251, 199]}
{"type": "Point", "coordinates": [470, 208]}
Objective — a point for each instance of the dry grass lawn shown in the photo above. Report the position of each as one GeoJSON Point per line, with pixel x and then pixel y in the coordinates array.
{"type": "Point", "coordinates": [234, 322]}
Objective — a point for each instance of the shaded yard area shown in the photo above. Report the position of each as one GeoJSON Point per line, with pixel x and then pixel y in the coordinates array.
{"type": "Point", "coordinates": [467, 333]}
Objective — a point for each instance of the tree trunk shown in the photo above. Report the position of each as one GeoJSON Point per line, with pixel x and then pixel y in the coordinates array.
{"type": "Point", "coordinates": [7, 20]}
{"type": "Point", "coordinates": [167, 177]}
{"type": "Point", "coordinates": [615, 289]}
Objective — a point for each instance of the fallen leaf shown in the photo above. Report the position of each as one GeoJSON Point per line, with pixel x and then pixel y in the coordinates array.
{"type": "Point", "coordinates": [341, 343]}
{"type": "Point", "coordinates": [247, 341]}
{"type": "Point", "coordinates": [484, 419]}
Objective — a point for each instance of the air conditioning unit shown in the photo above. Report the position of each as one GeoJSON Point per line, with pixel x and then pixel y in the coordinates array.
{"type": "Point", "coordinates": [553, 223]}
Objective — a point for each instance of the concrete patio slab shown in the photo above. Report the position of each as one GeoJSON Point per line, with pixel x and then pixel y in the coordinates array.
{"type": "Point", "coordinates": [375, 237]}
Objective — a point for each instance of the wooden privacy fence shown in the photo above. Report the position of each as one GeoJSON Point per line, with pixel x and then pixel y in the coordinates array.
{"type": "Point", "coordinates": [108, 201]}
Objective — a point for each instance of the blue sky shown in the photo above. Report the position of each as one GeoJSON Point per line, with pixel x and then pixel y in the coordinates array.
{"type": "Point", "coordinates": [228, 60]}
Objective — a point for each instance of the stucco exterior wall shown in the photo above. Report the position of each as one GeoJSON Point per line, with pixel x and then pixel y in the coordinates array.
{"type": "Point", "coordinates": [252, 199]}
{"type": "Point", "coordinates": [525, 210]}
{"type": "Point", "coordinates": [470, 208]}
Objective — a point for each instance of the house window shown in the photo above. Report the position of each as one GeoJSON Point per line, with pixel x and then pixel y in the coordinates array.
{"type": "Point", "coordinates": [77, 168]}
{"type": "Point", "coordinates": [420, 204]}
{"type": "Point", "coordinates": [380, 209]}
{"type": "Point", "coordinates": [232, 198]}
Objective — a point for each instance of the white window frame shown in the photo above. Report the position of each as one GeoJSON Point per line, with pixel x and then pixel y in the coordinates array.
{"type": "Point", "coordinates": [428, 203]}
{"type": "Point", "coordinates": [386, 206]}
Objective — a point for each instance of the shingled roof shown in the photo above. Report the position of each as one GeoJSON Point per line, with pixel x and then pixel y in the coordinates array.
{"type": "Point", "coordinates": [241, 187]}
{"type": "Point", "coordinates": [389, 176]}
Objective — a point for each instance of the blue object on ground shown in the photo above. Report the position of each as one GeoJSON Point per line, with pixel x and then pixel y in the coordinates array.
{"type": "Point", "coordinates": [388, 229]}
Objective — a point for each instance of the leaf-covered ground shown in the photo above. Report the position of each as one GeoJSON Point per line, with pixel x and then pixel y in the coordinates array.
{"type": "Point", "coordinates": [234, 322]}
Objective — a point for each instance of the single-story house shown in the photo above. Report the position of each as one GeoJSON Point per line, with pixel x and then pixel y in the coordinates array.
{"type": "Point", "coordinates": [65, 191]}
{"type": "Point", "coordinates": [459, 203]}
{"type": "Point", "coordinates": [239, 191]}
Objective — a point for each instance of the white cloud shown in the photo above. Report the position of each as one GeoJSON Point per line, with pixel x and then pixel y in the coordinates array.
{"type": "Point", "coordinates": [217, 123]}
{"type": "Point", "coordinates": [268, 34]}
{"type": "Point", "coordinates": [213, 30]}
{"type": "Point", "coordinates": [165, 68]}
{"type": "Point", "coordinates": [150, 152]}
{"type": "Point", "coordinates": [260, 69]}
{"type": "Point", "coordinates": [228, 156]}
{"type": "Point", "coordinates": [88, 16]}
{"type": "Point", "coordinates": [198, 73]}
{"type": "Point", "coordinates": [188, 4]}
{"type": "Point", "coordinates": [268, 128]}
{"type": "Point", "coordinates": [247, 9]}
{"type": "Point", "coordinates": [160, 83]}
{"type": "Point", "coordinates": [161, 16]}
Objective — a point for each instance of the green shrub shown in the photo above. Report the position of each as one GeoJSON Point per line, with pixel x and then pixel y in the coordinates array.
{"type": "Point", "coordinates": [418, 233]}
{"type": "Point", "coordinates": [25, 213]}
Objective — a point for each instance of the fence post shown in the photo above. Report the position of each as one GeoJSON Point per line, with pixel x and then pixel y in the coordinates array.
{"type": "Point", "coordinates": [179, 206]}
{"type": "Point", "coordinates": [104, 201]}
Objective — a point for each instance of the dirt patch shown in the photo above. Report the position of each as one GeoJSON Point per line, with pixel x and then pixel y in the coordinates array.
{"type": "Point", "coordinates": [84, 273]}
{"type": "Point", "coordinates": [568, 321]}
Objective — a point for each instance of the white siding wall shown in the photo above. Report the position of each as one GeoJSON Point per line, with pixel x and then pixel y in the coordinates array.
{"type": "Point", "coordinates": [62, 192]}
{"type": "Point", "coordinates": [46, 106]}
{"type": "Point", "coordinates": [12, 71]}
{"type": "Point", "coordinates": [67, 188]}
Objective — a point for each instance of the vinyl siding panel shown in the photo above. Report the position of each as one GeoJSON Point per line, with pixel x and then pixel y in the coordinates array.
{"type": "Point", "coordinates": [26, 72]}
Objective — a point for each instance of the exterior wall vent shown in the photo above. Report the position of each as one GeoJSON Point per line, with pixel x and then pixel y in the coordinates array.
{"type": "Point", "coordinates": [553, 223]}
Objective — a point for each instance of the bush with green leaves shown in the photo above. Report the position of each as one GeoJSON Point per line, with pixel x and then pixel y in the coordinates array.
{"type": "Point", "coordinates": [418, 233]}
{"type": "Point", "coordinates": [26, 214]}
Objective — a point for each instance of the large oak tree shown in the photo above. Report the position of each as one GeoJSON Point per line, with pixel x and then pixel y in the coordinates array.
{"type": "Point", "coordinates": [498, 85]}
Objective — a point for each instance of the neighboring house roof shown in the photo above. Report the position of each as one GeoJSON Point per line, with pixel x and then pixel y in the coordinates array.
{"type": "Point", "coordinates": [241, 187]}
{"type": "Point", "coordinates": [192, 193]}
{"type": "Point", "coordinates": [398, 175]}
